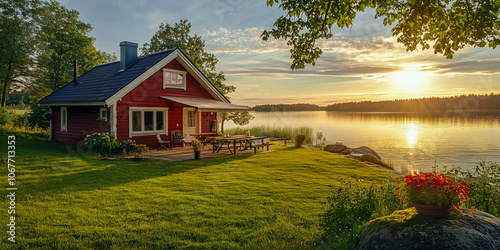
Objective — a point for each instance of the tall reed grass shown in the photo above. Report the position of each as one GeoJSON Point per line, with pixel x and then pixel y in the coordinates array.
{"type": "Point", "coordinates": [275, 131]}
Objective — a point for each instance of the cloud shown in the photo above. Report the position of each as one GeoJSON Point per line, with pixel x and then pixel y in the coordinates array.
{"type": "Point", "coordinates": [488, 66]}
{"type": "Point", "coordinates": [277, 66]}
{"type": "Point", "coordinates": [239, 41]}
{"type": "Point", "coordinates": [249, 40]}
{"type": "Point", "coordinates": [344, 44]}
{"type": "Point", "coordinates": [244, 63]}
{"type": "Point", "coordinates": [320, 99]}
{"type": "Point", "coordinates": [359, 68]}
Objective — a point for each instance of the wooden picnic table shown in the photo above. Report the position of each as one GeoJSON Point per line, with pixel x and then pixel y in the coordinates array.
{"type": "Point", "coordinates": [205, 137]}
{"type": "Point", "coordinates": [200, 136]}
{"type": "Point", "coordinates": [227, 141]}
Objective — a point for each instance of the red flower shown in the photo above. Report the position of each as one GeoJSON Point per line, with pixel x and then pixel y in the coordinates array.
{"type": "Point", "coordinates": [432, 188]}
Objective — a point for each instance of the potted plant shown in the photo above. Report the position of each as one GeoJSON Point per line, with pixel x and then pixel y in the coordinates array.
{"type": "Point", "coordinates": [141, 149]}
{"type": "Point", "coordinates": [197, 146]}
{"type": "Point", "coordinates": [435, 195]}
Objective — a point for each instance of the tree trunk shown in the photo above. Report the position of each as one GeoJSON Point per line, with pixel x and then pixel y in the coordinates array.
{"type": "Point", "coordinates": [3, 96]}
{"type": "Point", "coordinates": [6, 83]}
{"type": "Point", "coordinates": [4, 92]}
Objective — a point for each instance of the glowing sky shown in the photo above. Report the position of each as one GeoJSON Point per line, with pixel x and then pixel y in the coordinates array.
{"type": "Point", "coordinates": [361, 63]}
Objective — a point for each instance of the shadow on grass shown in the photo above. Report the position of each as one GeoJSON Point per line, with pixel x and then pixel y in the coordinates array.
{"type": "Point", "coordinates": [288, 148]}
{"type": "Point", "coordinates": [56, 170]}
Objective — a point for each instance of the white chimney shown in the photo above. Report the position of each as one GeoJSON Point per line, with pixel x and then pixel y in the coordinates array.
{"type": "Point", "coordinates": [128, 54]}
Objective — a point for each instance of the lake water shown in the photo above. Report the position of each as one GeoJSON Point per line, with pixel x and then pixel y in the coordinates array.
{"type": "Point", "coordinates": [408, 140]}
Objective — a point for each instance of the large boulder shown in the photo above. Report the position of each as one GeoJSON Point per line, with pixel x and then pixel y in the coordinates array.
{"type": "Point", "coordinates": [405, 229]}
{"type": "Point", "coordinates": [366, 150]}
{"type": "Point", "coordinates": [346, 151]}
{"type": "Point", "coordinates": [372, 158]}
{"type": "Point", "coordinates": [335, 148]}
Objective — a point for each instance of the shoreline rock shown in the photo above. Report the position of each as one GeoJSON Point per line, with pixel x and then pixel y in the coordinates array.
{"type": "Point", "coordinates": [335, 148]}
{"type": "Point", "coordinates": [405, 229]}
{"type": "Point", "coordinates": [366, 150]}
{"type": "Point", "coordinates": [363, 153]}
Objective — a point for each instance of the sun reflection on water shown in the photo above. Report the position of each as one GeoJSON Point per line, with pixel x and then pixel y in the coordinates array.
{"type": "Point", "coordinates": [412, 135]}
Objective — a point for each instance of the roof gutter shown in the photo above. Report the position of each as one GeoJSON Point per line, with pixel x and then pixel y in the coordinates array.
{"type": "Point", "coordinates": [64, 104]}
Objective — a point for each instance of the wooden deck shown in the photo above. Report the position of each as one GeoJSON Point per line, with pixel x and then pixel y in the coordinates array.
{"type": "Point", "coordinates": [187, 153]}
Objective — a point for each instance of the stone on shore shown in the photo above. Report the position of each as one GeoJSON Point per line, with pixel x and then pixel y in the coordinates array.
{"type": "Point", "coordinates": [366, 150]}
{"type": "Point", "coordinates": [372, 158]}
{"type": "Point", "coordinates": [346, 151]}
{"type": "Point", "coordinates": [335, 148]}
{"type": "Point", "coordinates": [405, 229]}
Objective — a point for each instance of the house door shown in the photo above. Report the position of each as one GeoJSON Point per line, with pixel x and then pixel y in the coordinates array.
{"type": "Point", "coordinates": [189, 123]}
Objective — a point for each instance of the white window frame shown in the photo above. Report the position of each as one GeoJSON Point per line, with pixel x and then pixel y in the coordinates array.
{"type": "Point", "coordinates": [174, 86]}
{"type": "Point", "coordinates": [149, 132]}
{"type": "Point", "coordinates": [193, 119]}
{"type": "Point", "coordinates": [105, 118]}
{"type": "Point", "coordinates": [64, 128]}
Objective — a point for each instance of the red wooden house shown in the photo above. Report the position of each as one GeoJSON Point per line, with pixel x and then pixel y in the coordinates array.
{"type": "Point", "coordinates": [136, 98]}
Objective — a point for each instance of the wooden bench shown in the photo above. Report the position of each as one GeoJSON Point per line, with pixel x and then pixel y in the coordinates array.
{"type": "Point", "coordinates": [261, 143]}
{"type": "Point", "coordinates": [281, 139]}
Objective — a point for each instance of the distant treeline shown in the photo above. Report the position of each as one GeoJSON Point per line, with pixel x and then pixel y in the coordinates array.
{"type": "Point", "coordinates": [287, 107]}
{"type": "Point", "coordinates": [468, 103]}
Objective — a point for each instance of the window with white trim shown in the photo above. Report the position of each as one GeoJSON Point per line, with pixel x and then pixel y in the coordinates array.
{"type": "Point", "coordinates": [64, 119]}
{"type": "Point", "coordinates": [103, 114]}
{"type": "Point", "coordinates": [174, 79]}
{"type": "Point", "coordinates": [191, 118]}
{"type": "Point", "coordinates": [147, 121]}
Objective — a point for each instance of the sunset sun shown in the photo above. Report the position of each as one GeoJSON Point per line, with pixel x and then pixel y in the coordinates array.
{"type": "Point", "coordinates": [409, 80]}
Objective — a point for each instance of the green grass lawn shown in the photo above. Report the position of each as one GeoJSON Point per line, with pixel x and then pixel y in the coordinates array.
{"type": "Point", "coordinates": [268, 200]}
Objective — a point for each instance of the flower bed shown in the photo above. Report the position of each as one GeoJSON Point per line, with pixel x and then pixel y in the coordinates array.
{"type": "Point", "coordinates": [105, 145]}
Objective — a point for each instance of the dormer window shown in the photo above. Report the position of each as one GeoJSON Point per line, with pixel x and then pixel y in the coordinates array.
{"type": "Point", "coordinates": [174, 79]}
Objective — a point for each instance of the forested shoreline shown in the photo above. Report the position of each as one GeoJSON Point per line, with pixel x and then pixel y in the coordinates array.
{"type": "Point", "coordinates": [287, 107]}
{"type": "Point", "coordinates": [469, 103]}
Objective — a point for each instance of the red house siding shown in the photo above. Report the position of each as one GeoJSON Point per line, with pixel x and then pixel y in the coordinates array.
{"type": "Point", "coordinates": [206, 118]}
{"type": "Point", "coordinates": [174, 119]}
{"type": "Point", "coordinates": [147, 94]}
{"type": "Point", "coordinates": [82, 121]}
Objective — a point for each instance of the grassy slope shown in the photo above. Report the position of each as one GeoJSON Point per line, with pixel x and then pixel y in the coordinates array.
{"type": "Point", "coordinates": [266, 200]}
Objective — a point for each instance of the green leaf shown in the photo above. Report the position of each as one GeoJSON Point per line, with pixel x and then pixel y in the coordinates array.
{"type": "Point", "coordinates": [441, 22]}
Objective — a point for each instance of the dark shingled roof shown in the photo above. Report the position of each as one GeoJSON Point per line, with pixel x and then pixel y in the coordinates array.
{"type": "Point", "coordinates": [103, 81]}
